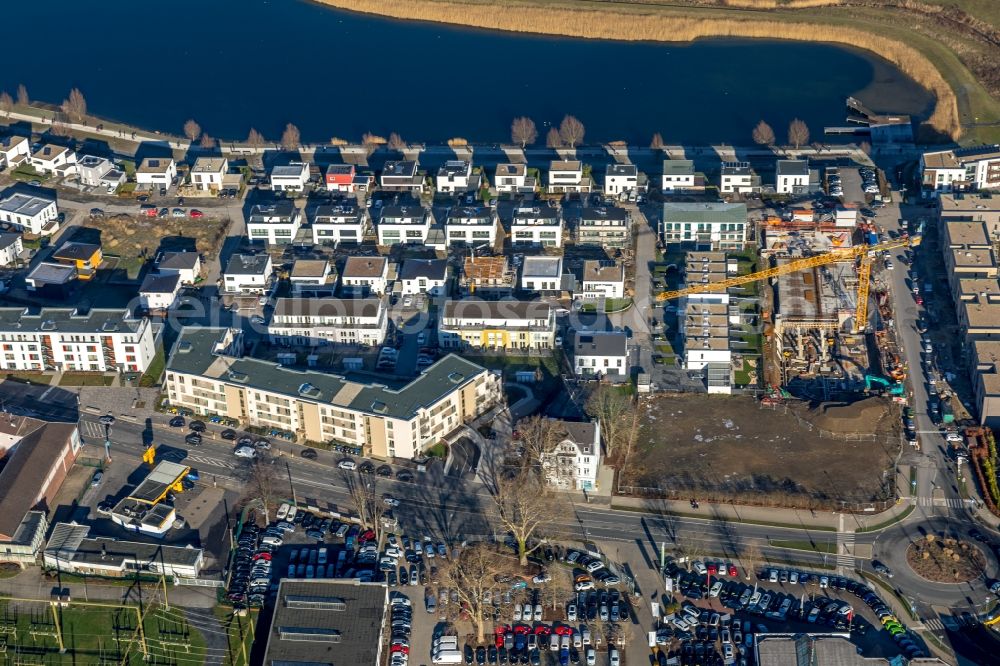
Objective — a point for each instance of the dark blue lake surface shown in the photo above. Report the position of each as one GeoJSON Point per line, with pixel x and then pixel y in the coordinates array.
{"type": "Point", "coordinates": [233, 64]}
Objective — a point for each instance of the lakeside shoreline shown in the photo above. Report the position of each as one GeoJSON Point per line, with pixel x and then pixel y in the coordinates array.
{"type": "Point", "coordinates": [612, 24]}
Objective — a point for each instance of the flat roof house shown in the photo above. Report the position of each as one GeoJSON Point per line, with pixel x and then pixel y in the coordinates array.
{"type": "Point", "coordinates": [402, 176]}
{"type": "Point", "coordinates": [322, 321]}
{"type": "Point", "coordinates": [604, 226]}
{"type": "Point", "coordinates": [403, 224]}
{"type": "Point", "coordinates": [14, 150]}
{"type": "Point", "coordinates": [567, 176]}
{"type": "Point", "coordinates": [457, 176]}
{"type": "Point", "coordinates": [365, 275]}
{"type": "Point", "coordinates": [312, 275]}
{"type": "Point", "coordinates": [85, 257]}
{"type": "Point", "coordinates": [621, 179]}
{"type": "Point", "coordinates": [342, 221]}
{"type": "Point", "coordinates": [71, 549]}
{"type": "Point", "coordinates": [542, 274]}
{"type": "Point", "coordinates": [513, 178]}
{"type": "Point", "coordinates": [738, 178]}
{"type": "Point", "coordinates": [208, 173]}
{"type": "Point", "coordinates": [30, 213]}
{"type": "Point", "coordinates": [602, 354]}
{"type": "Point", "coordinates": [274, 223]}
{"type": "Point", "coordinates": [156, 172]}
{"type": "Point", "coordinates": [678, 175]}
{"type": "Point", "coordinates": [208, 373]}
{"type": "Point", "coordinates": [340, 177]}
{"type": "Point", "coordinates": [602, 279]}
{"type": "Point", "coordinates": [974, 168]}
{"type": "Point", "coordinates": [53, 159]}
{"type": "Point", "coordinates": [537, 225]}
{"type": "Point", "coordinates": [506, 324]}
{"type": "Point", "coordinates": [424, 276]}
{"type": "Point", "coordinates": [291, 177]}
{"type": "Point", "coordinates": [489, 277]}
{"type": "Point", "coordinates": [471, 225]}
{"type": "Point", "coordinates": [94, 171]}
{"type": "Point", "coordinates": [710, 226]}
{"type": "Point", "coordinates": [248, 274]}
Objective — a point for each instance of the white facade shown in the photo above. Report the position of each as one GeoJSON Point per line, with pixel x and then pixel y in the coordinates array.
{"type": "Point", "coordinates": [319, 321]}
{"type": "Point", "coordinates": [602, 281]}
{"type": "Point", "coordinates": [247, 274]}
{"type": "Point", "coordinates": [471, 226]}
{"type": "Point", "coordinates": [54, 159]}
{"type": "Point", "coordinates": [722, 226]}
{"type": "Point", "coordinates": [600, 354]}
{"type": "Point", "coordinates": [403, 224]}
{"type": "Point", "coordinates": [621, 179]}
{"type": "Point", "coordinates": [424, 276]}
{"type": "Point", "coordinates": [737, 178]}
{"type": "Point", "coordinates": [156, 171]}
{"type": "Point", "coordinates": [539, 225]}
{"type": "Point", "coordinates": [58, 338]}
{"type": "Point", "coordinates": [503, 325]}
{"type": "Point", "coordinates": [185, 264]}
{"type": "Point", "coordinates": [677, 175]}
{"type": "Point", "coordinates": [454, 176]}
{"type": "Point", "coordinates": [208, 173]}
{"type": "Point", "coordinates": [333, 224]}
{"type": "Point", "coordinates": [274, 224]}
{"type": "Point", "coordinates": [542, 274]}
{"type": "Point", "coordinates": [512, 178]}
{"type": "Point", "coordinates": [366, 274]}
{"type": "Point", "coordinates": [159, 292]}
{"type": "Point", "coordinates": [31, 214]}
{"type": "Point", "coordinates": [11, 247]}
{"type": "Point", "coordinates": [14, 150]}
{"type": "Point", "coordinates": [567, 176]}
{"type": "Point", "coordinates": [291, 177]}
{"type": "Point", "coordinates": [791, 176]}
{"type": "Point", "coordinates": [574, 462]}
{"type": "Point", "coordinates": [961, 169]}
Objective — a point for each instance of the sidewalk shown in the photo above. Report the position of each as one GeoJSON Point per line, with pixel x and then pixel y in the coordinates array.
{"type": "Point", "coordinates": [31, 584]}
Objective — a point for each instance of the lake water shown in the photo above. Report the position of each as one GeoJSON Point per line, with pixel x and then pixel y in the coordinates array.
{"type": "Point", "coordinates": [233, 64]}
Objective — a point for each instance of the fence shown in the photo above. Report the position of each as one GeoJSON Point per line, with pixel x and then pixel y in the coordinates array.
{"type": "Point", "coordinates": [199, 582]}
{"type": "Point", "coordinates": [757, 499]}
{"type": "Point", "coordinates": [828, 434]}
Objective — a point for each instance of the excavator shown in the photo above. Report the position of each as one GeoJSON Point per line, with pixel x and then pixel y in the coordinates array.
{"type": "Point", "coordinates": [893, 388]}
{"type": "Point", "coordinates": [861, 253]}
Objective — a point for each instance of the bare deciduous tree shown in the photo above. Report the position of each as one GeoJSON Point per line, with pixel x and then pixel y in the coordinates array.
{"type": "Point", "coordinates": [572, 131]}
{"type": "Point", "coordinates": [798, 133]}
{"type": "Point", "coordinates": [75, 106]}
{"type": "Point", "coordinates": [396, 142]}
{"type": "Point", "coordinates": [6, 102]}
{"type": "Point", "coordinates": [371, 142]}
{"type": "Point", "coordinates": [363, 490]}
{"type": "Point", "coordinates": [538, 435]}
{"type": "Point", "coordinates": [59, 128]}
{"type": "Point", "coordinates": [291, 139]}
{"type": "Point", "coordinates": [763, 135]}
{"type": "Point", "coordinates": [22, 95]}
{"type": "Point", "coordinates": [614, 409]}
{"type": "Point", "coordinates": [552, 139]}
{"type": "Point", "coordinates": [524, 507]}
{"type": "Point", "coordinates": [192, 130]}
{"type": "Point", "coordinates": [262, 481]}
{"type": "Point", "coordinates": [750, 557]}
{"type": "Point", "coordinates": [470, 575]}
{"type": "Point", "coordinates": [207, 141]}
{"type": "Point", "coordinates": [255, 139]}
{"type": "Point", "coordinates": [523, 131]}
{"type": "Point", "coordinates": [657, 142]}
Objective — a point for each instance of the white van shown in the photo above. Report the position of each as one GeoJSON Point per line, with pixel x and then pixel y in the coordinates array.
{"type": "Point", "coordinates": [447, 657]}
{"type": "Point", "coordinates": [445, 643]}
{"type": "Point", "coordinates": [282, 511]}
{"type": "Point", "coordinates": [271, 541]}
{"type": "Point", "coordinates": [290, 516]}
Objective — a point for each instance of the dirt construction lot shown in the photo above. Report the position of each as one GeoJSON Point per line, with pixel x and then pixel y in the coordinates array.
{"type": "Point", "coordinates": [728, 448]}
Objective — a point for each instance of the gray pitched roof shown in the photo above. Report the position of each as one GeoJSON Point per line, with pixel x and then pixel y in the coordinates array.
{"type": "Point", "coordinates": [160, 283]}
{"type": "Point", "coordinates": [589, 343]}
{"type": "Point", "coordinates": [178, 260]}
{"type": "Point", "coordinates": [432, 269]}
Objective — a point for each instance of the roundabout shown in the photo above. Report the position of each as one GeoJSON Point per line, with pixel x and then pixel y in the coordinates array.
{"type": "Point", "coordinates": [945, 559]}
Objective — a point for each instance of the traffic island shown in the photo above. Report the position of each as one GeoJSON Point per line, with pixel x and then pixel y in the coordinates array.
{"type": "Point", "coordinates": [945, 560]}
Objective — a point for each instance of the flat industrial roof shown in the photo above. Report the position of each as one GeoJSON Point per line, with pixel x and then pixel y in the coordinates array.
{"type": "Point", "coordinates": [158, 482]}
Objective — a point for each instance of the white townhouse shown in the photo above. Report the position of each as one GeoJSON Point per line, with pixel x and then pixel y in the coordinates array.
{"type": "Point", "coordinates": [513, 178]}
{"type": "Point", "coordinates": [567, 176]}
{"type": "Point", "coordinates": [604, 226]}
{"type": "Point", "coordinates": [274, 223]}
{"type": "Point", "coordinates": [738, 178]}
{"type": "Point", "coordinates": [621, 179]}
{"type": "Point", "coordinates": [365, 275]}
{"type": "Point", "coordinates": [537, 225]}
{"type": "Point", "coordinates": [14, 150]}
{"type": "Point", "coordinates": [402, 176]}
{"type": "Point", "coordinates": [602, 279]}
{"type": "Point", "coordinates": [976, 168]}
{"type": "Point", "coordinates": [791, 177]}
{"type": "Point", "coordinates": [510, 325]}
{"type": "Point", "coordinates": [159, 291]}
{"type": "Point", "coordinates": [678, 175]}
{"type": "Point", "coordinates": [542, 274]}
{"type": "Point", "coordinates": [600, 354]}
{"type": "Point", "coordinates": [573, 463]}
{"type": "Point", "coordinates": [424, 276]}
{"type": "Point", "coordinates": [311, 275]}
{"type": "Point", "coordinates": [471, 225]}
{"type": "Point", "coordinates": [457, 176]}
{"type": "Point", "coordinates": [30, 213]}
{"type": "Point", "coordinates": [291, 177]}
{"type": "Point", "coordinates": [403, 224]}
{"type": "Point", "coordinates": [53, 159]}
{"type": "Point", "coordinates": [208, 173]}
{"type": "Point", "coordinates": [710, 226]}
{"type": "Point", "coordinates": [11, 247]}
{"type": "Point", "coordinates": [342, 221]}
{"type": "Point", "coordinates": [102, 340]}
{"type": "Point", "coordinates": [248, 274]}
{"type": "Point", "coordinates": [156, 172]}
{"type": "Point", "coordinates": [323, 321]}
{"type": "Point", "coordinates": [187, 265]}
{"type": "Point", "coordinates": [94, 171]}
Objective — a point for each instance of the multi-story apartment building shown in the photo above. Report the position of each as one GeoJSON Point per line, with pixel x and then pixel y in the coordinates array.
{"type": "Point", "coordinates": [604, 226]}
{"type": "Point", "coordinates": [101, 340]}
{"type": "Point", "coordinates": [975, 168]}
{"type": "Point", "coordinates": [713, 226]}
{"type": "Point", "coordinates": [208, 374]}
{"type": "Point", "coordinates": [573, 463]}
{"type": "Point", "coordinates": [471, 225]}
{"type": "Point", "coordinates": [319, 321]}
{"type": "Point", "coordinates": [504, 324]}
{"type": "Point", "coordinates": [341, 222]}
{"type": "Point", "coordinates": [537, 225]}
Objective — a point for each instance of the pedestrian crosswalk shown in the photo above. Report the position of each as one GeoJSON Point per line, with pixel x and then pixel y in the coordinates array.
{"type": "Point", "coordinates": [934, 624]}
{"type": "Point", "coordinates": [951, 502]}
{"type": "Point", "coordinates": [845, 549]}
{"type": "Point", "coordinates": [92, 429]}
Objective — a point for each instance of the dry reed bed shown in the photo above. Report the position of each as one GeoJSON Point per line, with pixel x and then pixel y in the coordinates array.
{"type": "Point", "coordinates": [611, 24]}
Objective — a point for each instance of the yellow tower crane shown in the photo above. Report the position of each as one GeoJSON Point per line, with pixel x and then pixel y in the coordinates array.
{"type": "Point", "coordinates": [863, 252]}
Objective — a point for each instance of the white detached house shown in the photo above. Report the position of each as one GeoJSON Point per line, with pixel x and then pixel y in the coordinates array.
{"type": "Point", "coordinates": [573, 463]}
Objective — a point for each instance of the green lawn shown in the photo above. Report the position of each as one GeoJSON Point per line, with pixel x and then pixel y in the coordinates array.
{"type": "Point", "coordinates": [29, 377]}
{"type": "Point", "coordinates": [152, 375]}
{"type": "Point", "coordinates": [616, 304]}
{"type": "Point", "coordinates": [27, 172]}
{"type": "Point", "coordinates": [85, 379]}
{"type": "Point", "coordinates": [741, 377]}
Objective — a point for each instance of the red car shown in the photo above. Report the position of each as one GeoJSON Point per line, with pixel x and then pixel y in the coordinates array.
{"type": "Point", "coordinates": [732, 570]}
{"type": "Point", "coordinates": [367, 535]}
{"type": "Point", "coordinates": [262, 556]}
{"type": "Point", "coordinates": [400, 648]}
{"type": "Point", "coordinates": [522, 629]}
{"type": "Point", "coordinates": [712, 568]}
{"type": "Point", "coordinates": [563, 630]}
{"type": "Point", "coordinates": [149, 211]}
{"type": "Point", "coordinates": [196, 213]}
{"type": "Point", "coordinates": [542, 630]}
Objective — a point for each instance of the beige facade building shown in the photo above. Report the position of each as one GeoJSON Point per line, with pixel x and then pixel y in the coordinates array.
{"type": "Point", "coordinates": [208, 373]}
{"type": "Point", "coordinates": [506, 324]}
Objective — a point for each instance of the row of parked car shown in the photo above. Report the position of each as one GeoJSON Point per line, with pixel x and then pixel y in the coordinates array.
{"type": "Point", "coordinates": [250, 579]}
{"type": "Point", "coordinates": [401, 619]}
{"type": "Point", "coordinates": [522, 644]}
